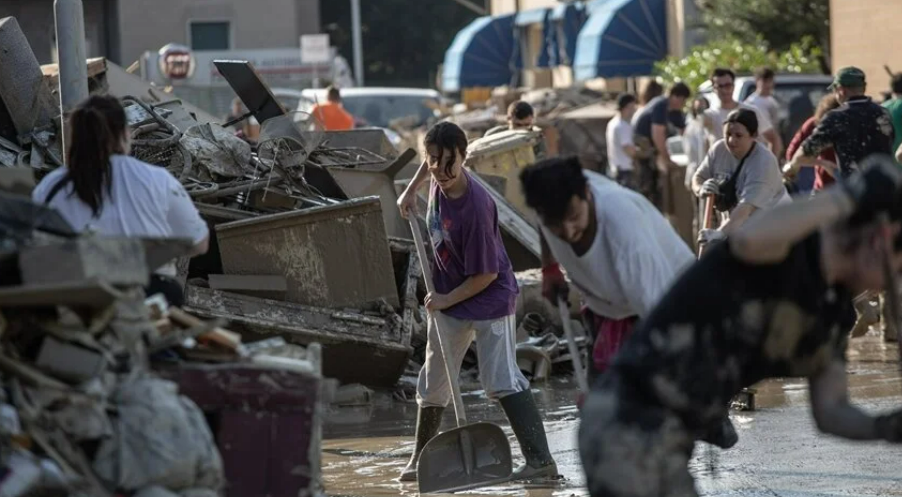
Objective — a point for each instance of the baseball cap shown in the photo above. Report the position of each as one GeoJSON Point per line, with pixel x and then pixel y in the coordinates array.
{"type": "Point", "coordinates": [849, 77]}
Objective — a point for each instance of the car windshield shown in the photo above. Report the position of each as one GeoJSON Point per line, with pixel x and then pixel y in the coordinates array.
{"type": "Point", "coordinates": [381, 110]}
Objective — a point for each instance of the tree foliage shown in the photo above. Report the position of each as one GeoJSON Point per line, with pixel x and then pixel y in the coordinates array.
{"type": "Point", "coordinates": [743, 58]}
{"type": "Point", "coordinates": [779, 23]}
{"type": "Point", "coordinates": [404, 41]}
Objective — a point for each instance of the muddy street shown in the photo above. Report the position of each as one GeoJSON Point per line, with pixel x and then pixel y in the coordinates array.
{"type": "Point", "coordinates": [780, 453]}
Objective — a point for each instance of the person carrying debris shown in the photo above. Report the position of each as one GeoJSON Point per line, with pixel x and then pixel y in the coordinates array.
{"type": "Point", "coordinates": [475, 298]}
{"type": "Point", "coordinates": [332, 115]}
{"type": "Point", "coordinates": [521, 116]}
{"type": "Point", "coordinates": [103, 190]}
{"type": "Point", "coordinates": [619, 251]}
{"type": "Point", "coordinates": [773, 300]}
{"type": "Point", "coordinates": [741, 174]}
{"type": "Point", "coordinates": [651, 127]}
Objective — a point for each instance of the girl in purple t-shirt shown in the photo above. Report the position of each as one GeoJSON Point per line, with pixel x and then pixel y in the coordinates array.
{"type": "Point", "coordinates": [475, 297]}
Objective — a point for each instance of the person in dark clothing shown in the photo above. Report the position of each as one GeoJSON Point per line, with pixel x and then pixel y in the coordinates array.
{"type": "Point", "coordinates": [827, 157]}
{"type": "Point", "coordinates": [856, 130]}
{"type": "Point", "coordinates": [773, 300]}
{"type": "Point", "coordinates": [652, 125]}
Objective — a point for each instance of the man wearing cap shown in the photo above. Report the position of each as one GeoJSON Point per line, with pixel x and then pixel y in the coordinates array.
{"type": "Point", "coordinates": [619, 142]}
{"type": "Point", "coordinates": [856, 130]}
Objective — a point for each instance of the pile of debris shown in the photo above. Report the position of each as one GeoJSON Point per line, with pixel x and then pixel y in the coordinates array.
{"type": "Point", "coordinates": [81, 411]}
{"type": "Point", "coordinates": [99, 384]}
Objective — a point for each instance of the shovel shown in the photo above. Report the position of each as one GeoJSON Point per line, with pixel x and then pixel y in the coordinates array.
{"type": "Point", "coordinates": [707, 221]}
{"type": "Point", "coordinates": [471, 455]}
{"type": "Point", "coordinates": [578, 370]}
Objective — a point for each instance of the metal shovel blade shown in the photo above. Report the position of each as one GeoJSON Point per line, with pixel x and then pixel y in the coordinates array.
{"type": "Point", "coordinates": [472, 456]}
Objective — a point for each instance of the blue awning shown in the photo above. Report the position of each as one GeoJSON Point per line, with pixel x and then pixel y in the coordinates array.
{"type": "Point", "coordinates": [531, 16]}
{"type": "Point", "coordinates": [566, 21]}
{"type": "Point", "coordinates": [622, 38]}
{"type": "Point", "coordinates": [481, 54]}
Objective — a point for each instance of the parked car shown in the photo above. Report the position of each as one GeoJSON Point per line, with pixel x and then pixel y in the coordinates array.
{"type": "Point", "coordinates": [798, 95]}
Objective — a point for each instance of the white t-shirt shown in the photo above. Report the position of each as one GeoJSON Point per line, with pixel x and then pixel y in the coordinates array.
{"type": "Point", "coordinates": [144, 201]}
{"type": "Point", "coordinates": [635, 257]}
{"type": "Point", "coordinates": [768, 105]}
{"type": "Point", "coordinates": [618, 134]}
{"type": "Point", "coordinates": [719, 115]}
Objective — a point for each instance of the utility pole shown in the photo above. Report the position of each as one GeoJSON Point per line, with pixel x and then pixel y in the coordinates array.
{"type": "Point", "coordinates": [357, 41]}
{"type": "Point", "coordinates": [70, 50]}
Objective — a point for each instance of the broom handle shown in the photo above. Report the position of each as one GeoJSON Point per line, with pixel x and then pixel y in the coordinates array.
{"type": "Point", "coordinates": [457, 399]}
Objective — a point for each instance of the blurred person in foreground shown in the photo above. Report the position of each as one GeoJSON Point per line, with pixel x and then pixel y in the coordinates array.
{"type": "Point", "coordinates": [774, 300]}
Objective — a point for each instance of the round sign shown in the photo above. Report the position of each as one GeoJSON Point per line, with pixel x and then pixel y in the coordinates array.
{"type": "Point", "coordinates": [176, 61]}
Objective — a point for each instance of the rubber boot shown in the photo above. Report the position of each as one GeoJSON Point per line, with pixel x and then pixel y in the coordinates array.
{"type": "Point", "coordinates": [722, 434]}
{"type": "Point", "coordinates": [428, 421]}
{"type": "Point", "coordinates": [890, 333]}
{"type": "Point", "coordinates": [867, 316]}
{"type": "Point", "coordinates": [526, 423]}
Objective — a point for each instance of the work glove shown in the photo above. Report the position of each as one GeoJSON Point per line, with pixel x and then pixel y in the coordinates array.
{"type": "Point", "coordinates": [877, 188]}
{"type": "Point", "coordinates": [554, 285]}
{"type": "Point", "coordinates": [889, 427]}
{"type": "Point", "coordinates": [707, 236]}
{"type": "Point", "coordinates": [709, 187]}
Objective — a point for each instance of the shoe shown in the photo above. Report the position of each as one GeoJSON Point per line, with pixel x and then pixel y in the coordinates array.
{"type": "Point", "coordinates": [526, 423]}
{"type": "Point", "coordinates": [428, 421]}
{"type": "Point", "coordinates": [722, 434]}
{"type": "Point", "coordinates": [867, 316]}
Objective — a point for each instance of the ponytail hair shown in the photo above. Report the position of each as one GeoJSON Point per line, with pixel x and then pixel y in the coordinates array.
{"type": "Point", "coordinates": [97, 128]}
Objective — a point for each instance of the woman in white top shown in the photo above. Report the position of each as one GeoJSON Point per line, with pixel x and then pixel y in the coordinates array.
{"type": "Point", "coordinates": [103, 190]}
{"type": "Point", "coordinates": [741, 174]}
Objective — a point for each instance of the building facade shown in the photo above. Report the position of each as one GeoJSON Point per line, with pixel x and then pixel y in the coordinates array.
{"type": "Point", "coordinates": [122, 30]}
{"type": "Point", "coordinates": [861, 34]}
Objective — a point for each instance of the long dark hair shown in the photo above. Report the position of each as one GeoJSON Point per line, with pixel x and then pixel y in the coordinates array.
{"type": "Point", "coordinates": [446, 136]}
{"type": "Point", "coordinates": [96, 130]}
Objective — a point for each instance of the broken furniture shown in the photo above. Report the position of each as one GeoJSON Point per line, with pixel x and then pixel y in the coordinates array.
{"type": "Point", "coordinates": [335, 256]}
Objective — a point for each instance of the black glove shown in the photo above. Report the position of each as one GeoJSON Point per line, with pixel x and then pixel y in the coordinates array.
{"type": "Point", "coordinates": [877, 188]}
{"type": "Point", "coordinates": [889, 427]}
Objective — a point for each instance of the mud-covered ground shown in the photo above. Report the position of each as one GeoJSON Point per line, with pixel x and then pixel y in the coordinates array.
{"type": "Point", "coordinates": [779, 454]}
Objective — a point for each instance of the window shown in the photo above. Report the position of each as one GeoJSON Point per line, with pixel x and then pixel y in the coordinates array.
{"type": "Point", "coordinates": [210, 35]}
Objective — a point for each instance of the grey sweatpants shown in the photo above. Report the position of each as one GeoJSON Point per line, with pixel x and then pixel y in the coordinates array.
{"type": "Point", "coordinates": [495, 350]}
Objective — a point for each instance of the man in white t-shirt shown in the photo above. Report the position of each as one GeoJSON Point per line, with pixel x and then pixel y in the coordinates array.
{"type": "Point", "coordinates": [617, 248]}
{"type": "Point", "coordinates": [763, 97]}
{"type": "Point", "coordinates": [724, 81]}
{"type": "Point", "coordinates": [619, 141]}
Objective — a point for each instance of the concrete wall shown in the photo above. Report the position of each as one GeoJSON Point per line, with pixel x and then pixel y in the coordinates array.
{"type": "Point", "coordinates": [254, 24]}
{"type": "Point", "coordinates": [37, 22]}
{"type": "Point", "coordinates": [862, 33]}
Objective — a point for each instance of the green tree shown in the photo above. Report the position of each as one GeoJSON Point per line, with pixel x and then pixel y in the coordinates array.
{"type": "Point", "coordinates": [780, 23]}
{"type": "Point", "coordinates": [743, 58]}
{"type": "Point", "coordinates": [404, 41]}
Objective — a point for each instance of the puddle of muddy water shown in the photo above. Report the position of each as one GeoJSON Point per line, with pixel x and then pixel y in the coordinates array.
{"type": "Point", "coordinates": [367, 447]}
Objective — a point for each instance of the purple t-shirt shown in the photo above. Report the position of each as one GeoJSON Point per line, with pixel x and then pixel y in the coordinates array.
{"type": "Point", "coordinates": [466, 241]}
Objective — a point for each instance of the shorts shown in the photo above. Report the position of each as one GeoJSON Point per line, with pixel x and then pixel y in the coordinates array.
{"type": "Point", "coordinates": [630, 447]}
{"type": "Point", "coordinates": [495, 350]}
